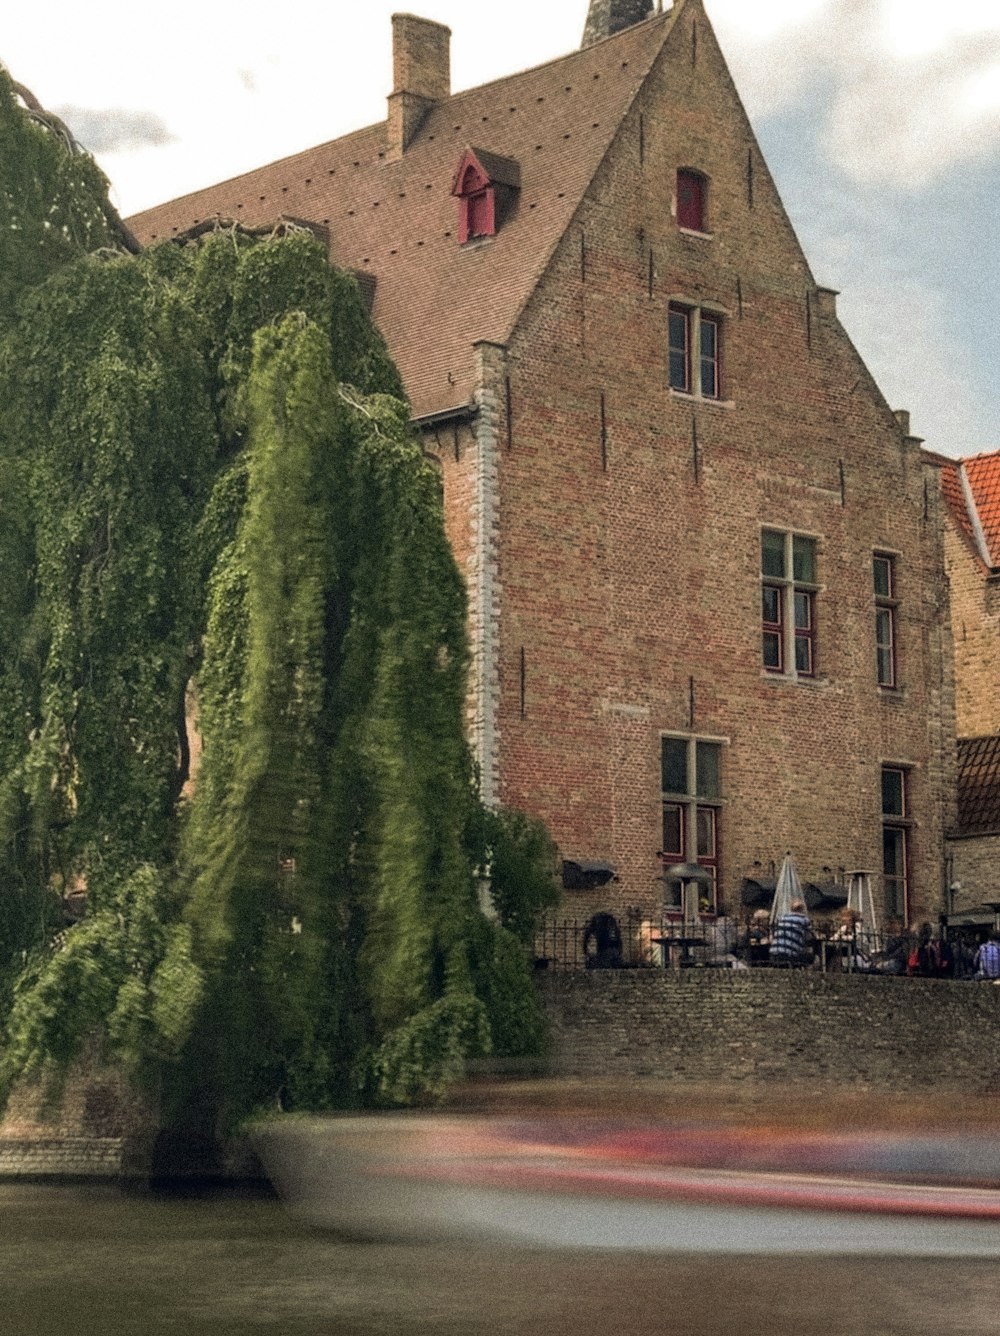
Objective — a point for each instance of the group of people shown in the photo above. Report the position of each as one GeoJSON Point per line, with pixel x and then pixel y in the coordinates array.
{"type": "Point", "coordinates": [790, 941]}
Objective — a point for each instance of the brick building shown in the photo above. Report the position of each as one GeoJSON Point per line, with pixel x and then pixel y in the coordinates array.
{"type": "Point", "coordinates": [971, 489]}
{"type": "Point", "coordinates": [703, 556]}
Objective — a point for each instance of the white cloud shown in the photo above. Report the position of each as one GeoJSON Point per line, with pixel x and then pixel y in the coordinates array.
{"type": "Point", "coordinates": [900, 328]}
{"type": "Point", "coordinates": [910, 89]}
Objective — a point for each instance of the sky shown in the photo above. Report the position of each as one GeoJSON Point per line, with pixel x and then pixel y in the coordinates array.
{"type": "Point", "coordinates": [879, 119]}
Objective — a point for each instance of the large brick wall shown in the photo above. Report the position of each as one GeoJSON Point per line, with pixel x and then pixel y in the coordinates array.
{"type": "Point", "coordinates": [759, 1027]}
{"type": "Point", "coordinates": [975, 866]}
{"type": "Point", "coordinates": [975, 614]}
{"type": "Point", "coordinates": [630, 519]}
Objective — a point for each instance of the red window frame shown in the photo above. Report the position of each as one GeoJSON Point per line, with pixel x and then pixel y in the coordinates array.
{"type": "Point", "coordinates": [885, 619]}
{"type": "Point", "coordinates": [896, 835]}
{"type": "Point", "coordinates": [690, 200]}
{"type": "Point", "coordinates": [476, 205]}
{"type": "Point", "coordinates": [773, 631]}
{"type": "Point", "coordinates": [805, 631]}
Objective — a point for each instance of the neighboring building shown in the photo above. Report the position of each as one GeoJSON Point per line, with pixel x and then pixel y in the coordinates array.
{"type": "Point", "coordinates": [971, 489]}
{"type": "Point", "coordinates": [704, 558]}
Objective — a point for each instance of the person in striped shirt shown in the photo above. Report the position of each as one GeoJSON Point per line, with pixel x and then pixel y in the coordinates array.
{"type": "Point", "coordinates": [790, 938]}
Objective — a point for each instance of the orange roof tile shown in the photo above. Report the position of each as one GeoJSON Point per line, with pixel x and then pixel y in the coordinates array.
{"type": "Point", "coordinates": [397, 220]}
{"type": "Point", "coordinates": [983, 473]}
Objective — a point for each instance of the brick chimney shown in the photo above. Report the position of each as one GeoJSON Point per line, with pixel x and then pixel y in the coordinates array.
{"type": "Point", "coordinates": [421, 76]}
{"type": "Point", "coordinates": [606, 17]}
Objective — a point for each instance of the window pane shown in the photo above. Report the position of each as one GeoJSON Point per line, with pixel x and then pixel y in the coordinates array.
{"type": "Point", "coordinates": [678, 327]}
{"type": "Point", "coordinates": [772, 553]}
{"type": "Point", "coordinates": [883, 577]}
{"type": "Point", "coordinates": [678, 371]}
{"type": "Point", "coordinates": [772, 651]}
{"type": "Point", "coordinates": [804, 560]}
{"type": "Point", "coordinates": [893, 792]}
{"type": "Point", "coordinates": [893, 862]}
{"type": "Point", "coordinates": [709, 357]}
{"type": "Point", "coordinates": [706, 832]}
{"type": "Point", "coordinates": [884, 661]}
{"type": "Point", "coordinates": [675, 765]}
{"type": "Point", "coordinates": [804, 655]}
{"type": "Point", "coordinates": [771, 605]}
{"type": "Point", "coordinates": [673, 833]}
{"type": "Point", "coordinates": [803, 611]}
{"type": "Point", "coordinates": [884, 647]}
{"type": "Point", "coordinates": [707, 760]}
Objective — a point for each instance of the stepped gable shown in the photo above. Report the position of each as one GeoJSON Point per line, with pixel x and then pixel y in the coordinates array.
{"type": "Point", "coordinates": [979, 785]}
{"type": "Point", "coordinates": [397, 220]}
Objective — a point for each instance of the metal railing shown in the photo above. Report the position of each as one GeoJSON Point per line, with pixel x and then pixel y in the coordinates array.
{"type": "Point", "coordinates": [637, 941]}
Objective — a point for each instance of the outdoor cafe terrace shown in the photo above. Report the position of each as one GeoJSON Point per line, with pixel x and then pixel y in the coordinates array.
{"type": "Point", "coordinates": [637, 941]}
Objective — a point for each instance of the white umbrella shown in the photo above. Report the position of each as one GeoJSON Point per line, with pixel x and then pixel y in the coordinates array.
{"type": "Point", "coordinates": [859, 898]}
{"type": "Point", "coordinates": [789, 888]}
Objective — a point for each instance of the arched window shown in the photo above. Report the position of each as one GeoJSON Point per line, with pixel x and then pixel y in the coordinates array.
{"type": "Point", "coordinates": [692, 191]}
{"type": "Point", "coordinates": [484, 185]}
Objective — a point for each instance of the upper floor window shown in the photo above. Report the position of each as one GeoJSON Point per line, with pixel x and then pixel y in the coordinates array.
{"type": "Point", "coordinates": [691, 793]}
{"type": "Point", "coordinates": [486, 187]}
{"type": "Point", "coordinates": [883, 567]}
{"type": "Point", "coordinates": [695, 351]}
{"type": "Point", "coordinates": [788, 602]}
{"type": "Point", "coordinates": [691, 199]}
{"type": "Point", "coordinates": [895, 841]}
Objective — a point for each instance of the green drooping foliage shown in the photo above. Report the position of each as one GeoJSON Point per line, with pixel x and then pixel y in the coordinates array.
{"type": "Point", "coordinates": [53, 202]}
{"type": "Point", "coordinates": [217, 524]}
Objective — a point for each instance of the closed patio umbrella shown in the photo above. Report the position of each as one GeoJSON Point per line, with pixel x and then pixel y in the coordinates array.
{"type": "Point", "coordinates": [860, 899]}
{"type": "Point", "coordinates": [789, 888]}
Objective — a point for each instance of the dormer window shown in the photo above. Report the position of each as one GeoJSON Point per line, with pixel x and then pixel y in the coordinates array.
{"type": "Point", "coordinates": [691, 200]}
{"type": "Point", "coordinates": [486, 188]}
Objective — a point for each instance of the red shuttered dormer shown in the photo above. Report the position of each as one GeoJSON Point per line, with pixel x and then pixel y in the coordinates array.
{"type": "Point", "coordinates": [485, 186]}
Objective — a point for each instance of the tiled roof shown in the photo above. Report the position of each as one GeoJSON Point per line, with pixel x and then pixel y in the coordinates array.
{"type": "Point", "coordinates": [979, 785]}
{"type": "Point", "coordinates": [397, 220]}
{"type": "Point", "coordinates": [983, 473]}
{"type": "Point", "coordinates": [981, 526]}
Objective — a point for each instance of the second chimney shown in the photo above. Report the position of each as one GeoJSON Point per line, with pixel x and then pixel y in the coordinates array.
{"type": "Point", "coordinates": [421, 76]}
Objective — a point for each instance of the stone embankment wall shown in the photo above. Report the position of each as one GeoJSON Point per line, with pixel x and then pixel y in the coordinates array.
{"type": "Point", "coordinates": [90, 1126]}
{"type": "Point", "coordinates": [749, 1026]}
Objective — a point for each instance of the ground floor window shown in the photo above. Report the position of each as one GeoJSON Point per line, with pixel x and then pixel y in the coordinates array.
{"type": "Point", "coordinates": [895, 841]}
{"type": "Point", "coordinates": [691, 796]}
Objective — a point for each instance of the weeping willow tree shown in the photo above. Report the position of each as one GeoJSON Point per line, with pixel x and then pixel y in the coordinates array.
{"type": "Point", "coordinates": [216, 518]}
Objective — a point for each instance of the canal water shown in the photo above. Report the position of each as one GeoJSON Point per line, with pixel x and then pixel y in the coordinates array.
{"type": "Point", "coordinates": [93, 1261]}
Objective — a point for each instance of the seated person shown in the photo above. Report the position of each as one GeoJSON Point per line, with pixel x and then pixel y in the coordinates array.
{"type": "Point", "coordinates": [790, 938]}
{"type": "Point", "coordinates": [758, 938]}
{"type": "Point", "coordinates": [988, 958]}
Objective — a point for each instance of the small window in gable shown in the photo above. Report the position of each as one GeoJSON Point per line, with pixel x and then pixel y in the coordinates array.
{"type": "Point", "coordinates": [691, 200]}
{"type": "Point", "coordinates": [485, 186]}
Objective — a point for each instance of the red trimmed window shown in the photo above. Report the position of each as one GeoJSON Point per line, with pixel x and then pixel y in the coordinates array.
{"type": "Point", "coordinates": [788, 603]}
{"type": "Point", "coordinates": [885, 619]}
{"type": "Point", "coordinates": [694, 341]}
{"type": "Point", "coordinates": [476, 203]}
{"type": "Point", "coordinates": [895, 842]}
{"type": "Point", "coordinates": [691, 194]}
{"type": "Point", "coordinates": [691, 788]}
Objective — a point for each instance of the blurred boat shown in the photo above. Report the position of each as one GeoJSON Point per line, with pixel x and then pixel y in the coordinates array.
{"type": "Point", "coordinates": [572, 1182]}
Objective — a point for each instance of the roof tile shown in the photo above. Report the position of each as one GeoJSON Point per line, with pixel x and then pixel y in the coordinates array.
{"type": "Point", "coordinates": [979, 785]}
{"type": "Point", "coordinates": [397, 219]}
{"type": "Point", "coordinates": [983, 473]}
